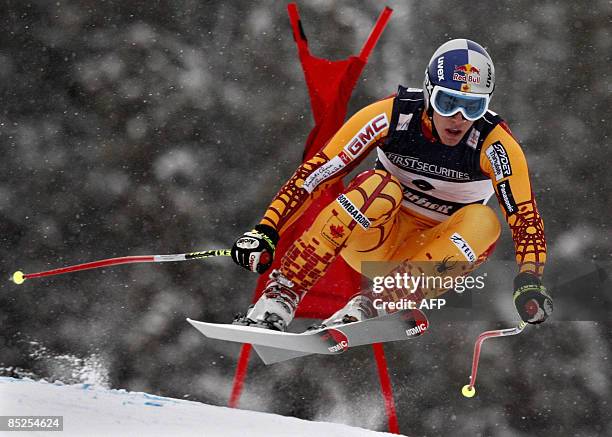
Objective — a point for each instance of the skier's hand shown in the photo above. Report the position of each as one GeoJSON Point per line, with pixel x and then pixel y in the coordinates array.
{"type": "Point", "coordinates": [254, 250]}
{"type": "Point", "coordinates": [531, 300]}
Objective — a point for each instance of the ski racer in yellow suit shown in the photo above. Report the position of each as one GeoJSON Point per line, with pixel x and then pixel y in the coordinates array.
{"type": "Point", "coordinates": [441, 154]}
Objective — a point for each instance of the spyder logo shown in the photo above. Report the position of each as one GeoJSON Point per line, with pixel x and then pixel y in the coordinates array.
{"type": "Point", "coordinates": [445, 265]}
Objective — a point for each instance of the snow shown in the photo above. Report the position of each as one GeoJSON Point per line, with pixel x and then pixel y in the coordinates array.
{"type": "Point", "coordinates": [96, 411]}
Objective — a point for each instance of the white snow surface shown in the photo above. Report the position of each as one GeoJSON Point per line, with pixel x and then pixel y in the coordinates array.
{"type": "Point", "coordinates": [95, 411]}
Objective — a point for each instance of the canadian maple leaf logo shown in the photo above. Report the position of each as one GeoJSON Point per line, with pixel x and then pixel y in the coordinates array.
{"type": "Point", "coordinates": [337, 231]}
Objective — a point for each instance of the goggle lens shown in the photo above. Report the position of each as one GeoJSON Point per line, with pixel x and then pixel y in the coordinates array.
{"type": "Point", "coordinates": [447, 103]}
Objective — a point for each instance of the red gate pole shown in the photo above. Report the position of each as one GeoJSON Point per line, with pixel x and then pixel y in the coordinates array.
{"type": "Point", "coordinates": [380, 25]}
{"type": "Point", "coordinates": [241, 371]}
{"type": "Point", "coordinates": [385, 387]}
{"type": "Point", "coordinates": [325, 106]}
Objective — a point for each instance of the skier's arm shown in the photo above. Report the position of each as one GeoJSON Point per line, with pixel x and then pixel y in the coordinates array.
{"type": "Point", "coordinates": [503, 160]}
{"type": "Point", "coordinates": [353, 141]}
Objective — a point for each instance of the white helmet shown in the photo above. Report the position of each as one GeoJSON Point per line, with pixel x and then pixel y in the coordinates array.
{"type": "Point", "coordinates": [460, 77]}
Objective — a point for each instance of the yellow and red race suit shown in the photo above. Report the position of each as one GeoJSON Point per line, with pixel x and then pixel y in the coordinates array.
{"type": "Point", "coordinates": [423, 201]}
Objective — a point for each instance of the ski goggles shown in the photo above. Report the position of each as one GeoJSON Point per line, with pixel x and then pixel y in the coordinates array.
{"type": "Point", "coordinates": [447, 102]}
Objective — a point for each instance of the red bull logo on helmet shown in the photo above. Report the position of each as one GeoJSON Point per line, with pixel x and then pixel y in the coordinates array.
{"type": "Point", "coordinates": [467, 73]}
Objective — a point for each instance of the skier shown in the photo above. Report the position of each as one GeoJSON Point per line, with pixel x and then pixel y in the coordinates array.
{"type": "Point", "coordinates": [441, 154]}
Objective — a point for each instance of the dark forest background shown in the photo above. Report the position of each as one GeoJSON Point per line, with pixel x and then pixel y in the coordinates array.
{"type": "Point", "coordinates": [153, 127]}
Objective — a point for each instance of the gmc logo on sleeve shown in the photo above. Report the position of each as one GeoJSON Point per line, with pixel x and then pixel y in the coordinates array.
{"type": "Point", "coordinates": [367, 134]}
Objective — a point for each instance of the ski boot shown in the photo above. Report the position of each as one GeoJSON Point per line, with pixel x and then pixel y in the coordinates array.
{"type": "Point", "coordinates": [276, 306]}
{"type": "Point", "coordinates": [357, 309]}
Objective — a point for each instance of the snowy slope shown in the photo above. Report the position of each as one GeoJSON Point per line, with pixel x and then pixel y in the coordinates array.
{"type": "Point", "coordinates": [94, 411]}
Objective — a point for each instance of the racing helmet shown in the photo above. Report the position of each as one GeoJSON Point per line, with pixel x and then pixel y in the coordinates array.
{"type": "Point", "coordinates": [460, 77]}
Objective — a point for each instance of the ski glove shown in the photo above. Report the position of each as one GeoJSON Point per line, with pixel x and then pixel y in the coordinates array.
{"type": "Point", "coordinates": [255, 249]}
{"type": "Point", "coordinates": [531, 300]}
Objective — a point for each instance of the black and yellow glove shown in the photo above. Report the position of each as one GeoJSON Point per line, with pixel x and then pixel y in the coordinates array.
{"type": "Point", "coordinates": [254, 250]}
{"type": "Point", "coordinates": [531, 299]}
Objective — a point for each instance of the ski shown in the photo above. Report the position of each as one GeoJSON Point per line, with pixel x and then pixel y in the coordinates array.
{"type": "Point", "coordinates": [401, 325]}
{"type": "Point", "coordinates": [272, 355]}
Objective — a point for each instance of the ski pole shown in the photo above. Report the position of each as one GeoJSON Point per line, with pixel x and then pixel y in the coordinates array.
{"type": "Point", "coordinates": [468, 390]}
{"type": "Point", "coordinates": [19, 277]}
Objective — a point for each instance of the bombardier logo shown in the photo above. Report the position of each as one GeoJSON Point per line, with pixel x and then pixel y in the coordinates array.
{"type": "Point", "coordinates": [367, 135]}
{"type": "Point", "coordinates": [498, 157]}
{"type": "Point", "coordinates": [463, 247]}
{"type": "Point", "coordinates": [353, 211]}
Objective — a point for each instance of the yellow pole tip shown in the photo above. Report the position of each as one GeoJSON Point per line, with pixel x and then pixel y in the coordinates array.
{"type": "Point", "coordinates": [18, 277]}
{"type": "Point", "coordinates": [468, 391]}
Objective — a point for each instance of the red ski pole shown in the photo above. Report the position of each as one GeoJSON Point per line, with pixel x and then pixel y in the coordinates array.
{"type": "Point", "coordinates": [19, 277]}
{"type": "Point", "coordinates": [468, 390]}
